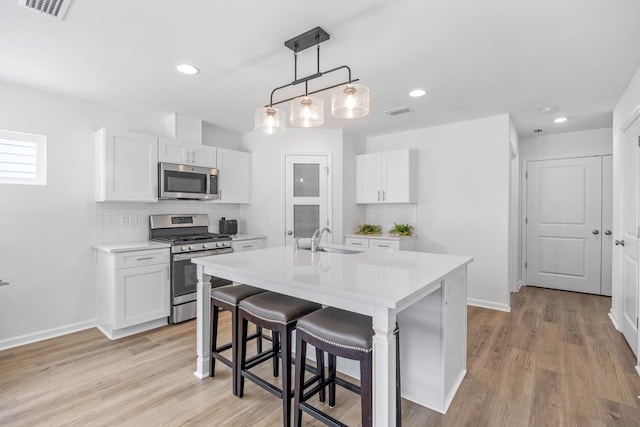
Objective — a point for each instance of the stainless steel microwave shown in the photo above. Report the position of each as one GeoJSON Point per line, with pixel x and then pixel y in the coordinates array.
{"type": "Point", "coordinates": [187, 182]}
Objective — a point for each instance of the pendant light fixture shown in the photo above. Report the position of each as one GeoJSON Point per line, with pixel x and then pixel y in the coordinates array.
{"type": "Point", "coordinates": [349, 100]}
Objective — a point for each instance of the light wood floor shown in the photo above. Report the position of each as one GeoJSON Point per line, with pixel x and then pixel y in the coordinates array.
{"type": "Point", "coordinates": [555, 360]}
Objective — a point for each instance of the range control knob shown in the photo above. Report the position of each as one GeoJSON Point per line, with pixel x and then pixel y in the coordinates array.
{"type": "Point", "coordinates": [219, 245]}
{"type": "Point", "coordinates": [205, 245]}
{"type": "Point", "coordinates": [184, 248]}
{"type": "Point", "coordinates": [190, 247]}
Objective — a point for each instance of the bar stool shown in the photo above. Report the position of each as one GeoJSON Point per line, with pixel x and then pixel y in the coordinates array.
{"type": "Point", "coordinates": [227, 298]}
{"type": "Point", "coordinates": [344, 334]}
{"type": "Point", "coordinates": [279, 313]}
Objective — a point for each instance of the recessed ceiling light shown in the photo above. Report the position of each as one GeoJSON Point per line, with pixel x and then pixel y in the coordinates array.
{"type": "Point", "coordinates": [560, 120]}
{"type": "Point", "coordinates": [187, 69]}
{"type": "Point", "coordinates": [548, 109]}
{"type": "Point", "coordinates": [417, 93]}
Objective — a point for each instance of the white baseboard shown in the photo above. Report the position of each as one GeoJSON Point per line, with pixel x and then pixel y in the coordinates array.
{"type": "Point", "coordinates": [613, 320]}
{"type": "Point", "coordinates": [488, 304]}
{"type": "Point", "coordinates": [638, 369]}
{"type": "Point", "coordinates": [45, 335]}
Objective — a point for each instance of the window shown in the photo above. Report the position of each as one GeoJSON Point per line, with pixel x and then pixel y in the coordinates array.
{"type": "Point", "coordinates": [22, 158]}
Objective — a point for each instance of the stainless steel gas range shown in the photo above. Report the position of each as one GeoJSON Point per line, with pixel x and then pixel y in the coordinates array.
{"type": "Point", "coordinates": [190, 238]}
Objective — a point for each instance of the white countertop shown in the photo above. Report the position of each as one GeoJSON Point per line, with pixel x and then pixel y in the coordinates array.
{"type": "Point", "coordinates": [130, 246]}
{"type": "Point", "coordinates": [378, 276]}
{"type": "Point", "coordinates": [381, 236]}
{"type": "Point", "coordinates": [240, 237]}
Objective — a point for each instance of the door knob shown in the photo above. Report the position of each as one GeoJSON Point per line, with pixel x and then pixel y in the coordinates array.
{"type": "Point", "coordinates": [289, 233]}
{"type": "Point", "coordinates": [620, 242]}
{"type": "Point", "coordinates": [607, 233]}
{"type": "Point", "coordinates": [594, 232]}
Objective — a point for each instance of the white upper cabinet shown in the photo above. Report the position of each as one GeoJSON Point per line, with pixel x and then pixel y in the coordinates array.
{"type": "Point", "coordinates": [234, 176]}
{"type": "Point", "coordinates": [126, 166]}
{"type": "Point", "coordinates": [386, 177]}
{"type": "Point", "coordinates": [174, 151]}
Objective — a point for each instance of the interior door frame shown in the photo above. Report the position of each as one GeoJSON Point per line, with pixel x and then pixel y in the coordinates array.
{"type": "Point", "coordinates": [283, 168]}
{"type": "Point", "coordinates": [524, 200]}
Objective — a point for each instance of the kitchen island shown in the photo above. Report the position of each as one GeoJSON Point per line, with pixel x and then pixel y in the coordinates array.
{"type": "Point", "coordinates": [425, 293]}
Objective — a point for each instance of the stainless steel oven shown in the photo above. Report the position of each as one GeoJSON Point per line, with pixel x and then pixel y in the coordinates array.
{"type": "Point", "coordinates": [189, 238]}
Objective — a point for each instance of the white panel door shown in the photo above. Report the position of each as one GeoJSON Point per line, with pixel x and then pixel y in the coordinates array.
{"type": "Point", "coordinates": [631, 140]}
{"type": "Point", "coordinates": [563, 224]}
{"type": "Point", "coordinates": [307, 196]}
{"type": "Point", "coordinates": [607, 224]}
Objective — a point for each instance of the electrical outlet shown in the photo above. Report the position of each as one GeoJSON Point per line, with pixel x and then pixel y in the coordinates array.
{"type": "Point", "coordinates": [124, 220]}
{"type": "Point", "coordinates": [133, 219]}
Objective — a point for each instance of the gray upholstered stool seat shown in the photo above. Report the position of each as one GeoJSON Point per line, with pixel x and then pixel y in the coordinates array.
{"type": "Point", "coordinates": [233, 294]}
{"type": "Point", "coordinates": [228, 297]}
{"type": "Point", "coordinates": [340, 328]}
{"type": "Point", "coordinates": [279, 313]}
{"type": "Point", "coordinates": [345, 334]}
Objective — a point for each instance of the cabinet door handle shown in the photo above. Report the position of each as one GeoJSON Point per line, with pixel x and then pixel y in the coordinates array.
{"type": "Point", "coordinates": [356, 243]}
{"type": "Point", "coordinates": [378, 195]}
{"type": "Point", "coordinates": [383, 246]}
{"type": "Point", "coordinates": [247, 246]}
{"type": "Point", "coordinates": [607, 233]}
{"type": "Point", "coordinates": [383, 196]}
{"type": "Point", "coordinates": [147, 258]}
{"type": "Point", "coordinates": [3, 283]}
{"type": "Point", "coordinates": [168, 278]}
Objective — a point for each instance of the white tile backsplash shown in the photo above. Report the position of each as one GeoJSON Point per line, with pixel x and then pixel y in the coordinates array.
{"type": "Point", "coordinates": [128, 222]}
{"type": "Point", "coordinates": [388, 214]}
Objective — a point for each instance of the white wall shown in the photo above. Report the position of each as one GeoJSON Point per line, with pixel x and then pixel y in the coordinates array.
{"type": "Point", "coordinates": [216, 137]}
{"type": "Point", "coordinates": [353, 214]}
{"type": "Point", "coordinates": [569, 144]}
{"type": "Point", "coordinates": [463, 198]}
{"type": "Point", "coordinates": [46, 232]}
{"type": "Point", "coordinates": [266, 213]}
{"type": "Point", "coordinates": [627, 104]}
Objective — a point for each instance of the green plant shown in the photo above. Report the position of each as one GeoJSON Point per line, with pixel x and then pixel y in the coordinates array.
{"type": "Point", "coordinates": [401, 229]}
{"type": "Point", "coordinates": [369, 229]}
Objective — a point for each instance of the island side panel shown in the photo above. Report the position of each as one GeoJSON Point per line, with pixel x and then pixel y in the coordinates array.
{"type": "Point", "coordinates": [421, 351]}
{"type": "Point", "coordinates": [203, 324]}
{"type": "Point", "coordinates": [455, 333]}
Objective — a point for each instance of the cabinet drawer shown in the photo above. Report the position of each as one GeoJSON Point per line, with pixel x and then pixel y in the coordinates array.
{"type": "Point", "coordinates": [247, 245]}
{"type": "Point", "coordinates": [356, 242]}
{"type": "Point", "coordinates": [388, 244]}
{"type": "Point", "coordinates": [140, 258]}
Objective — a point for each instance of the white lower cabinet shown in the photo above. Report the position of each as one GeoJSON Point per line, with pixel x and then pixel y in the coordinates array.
{"type": "Point", "coordinates": [366, 242]}
{"type": "Point", "coordinates": [132, 291]}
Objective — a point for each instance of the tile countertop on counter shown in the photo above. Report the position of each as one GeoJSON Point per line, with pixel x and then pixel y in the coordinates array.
{"type": "Point", "coordinates": [130, 246]}
{"type": "Point", "coordinates": [384, 236]}
{"type": "Point", "coordinates": [240, 237]}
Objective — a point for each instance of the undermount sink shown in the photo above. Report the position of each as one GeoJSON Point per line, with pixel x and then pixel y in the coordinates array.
{"type": "Point", "coordinates": [334, 250]}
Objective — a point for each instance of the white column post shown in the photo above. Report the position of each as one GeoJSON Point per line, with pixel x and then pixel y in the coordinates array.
{"type": "Point", "coordinates": [203, 324]}
{"type": "Point", "coordinates": [384, 364]}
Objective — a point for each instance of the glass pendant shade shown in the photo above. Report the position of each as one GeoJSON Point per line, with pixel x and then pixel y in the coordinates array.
{"type": "Point", "coordinates": [350, 101]}
{"type": "Point", "coordinates": [270, 120]}
{"type": "Point", "coordinates": [307, 112]}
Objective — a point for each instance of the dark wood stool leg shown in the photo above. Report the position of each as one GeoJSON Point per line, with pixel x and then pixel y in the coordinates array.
{"type": "Point", "coordinates": [301, 358]}
{"type": "Point", "coordinates": [259, 339]}
{"type": "Point", "coordinates": [319, 371]}
{"type": "Point", "coordinates": [366, 392]}
{"type": "Point", "coordinates": [242, 357]}
{"type": "Point", "coordinates": [332, 383]}
{"type": "Point", "coordinates": [214, 336]}
{"type": "Point", "coordinates": [234, 349]}
{"type": "Point", "coordinates": [285, 345]}
{"type": "Point", "coordinates": [275, 337]}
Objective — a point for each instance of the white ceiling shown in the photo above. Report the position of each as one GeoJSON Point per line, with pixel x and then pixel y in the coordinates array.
{"type": "Point", "coordinates": [476, 58]}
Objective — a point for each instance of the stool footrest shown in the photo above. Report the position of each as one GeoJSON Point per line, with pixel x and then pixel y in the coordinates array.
{"type": "Point", "coordinates": [345, 384]}
{"type": "Point", "coordinates": [259, 358]}
{"type": "Point", "coordinates": [327, 419]}
{"type": "Point", "coordinates": [264, 384]}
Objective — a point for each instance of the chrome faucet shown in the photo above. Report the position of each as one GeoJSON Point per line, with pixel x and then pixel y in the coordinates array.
{"type": "Point", "coordinates": [317, 236]}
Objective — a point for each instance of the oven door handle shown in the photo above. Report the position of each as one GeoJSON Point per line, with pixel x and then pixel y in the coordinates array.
{"type": "Point", "coordinates": [182, 257]}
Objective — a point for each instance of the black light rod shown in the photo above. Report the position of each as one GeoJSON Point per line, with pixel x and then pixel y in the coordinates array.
{"type": "Point", "coordinates": [310, 93]}
{"type": "Point", "coordinates": [311, 77]}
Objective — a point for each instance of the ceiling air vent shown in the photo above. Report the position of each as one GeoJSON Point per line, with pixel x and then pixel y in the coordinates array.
{"type": "Point", "coordinates": [54, 8]}
{"type": "Point", "coordinates": [538, 130]}
{"type": "Point", "coordinates": [396, 111]}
